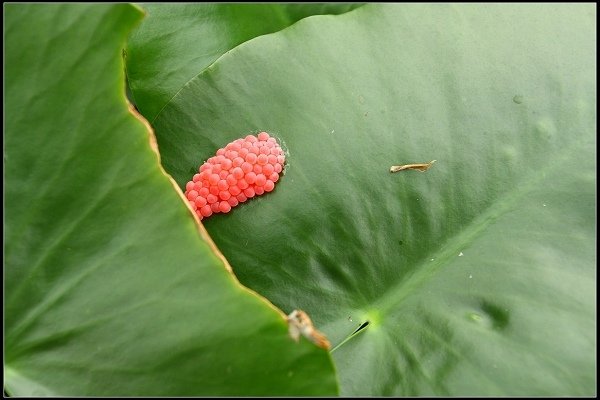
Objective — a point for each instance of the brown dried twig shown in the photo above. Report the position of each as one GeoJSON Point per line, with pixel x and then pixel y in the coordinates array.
{"type": "Point", "coordinates": [422, 167]}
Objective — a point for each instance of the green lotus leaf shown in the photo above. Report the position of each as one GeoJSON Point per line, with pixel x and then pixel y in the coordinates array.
{"type": "Point", "coordinates": [178, 41]}
{"type": "Point", "coordinates": [474, 278]}
{"type": "Point", "coordinates": [111, 288]}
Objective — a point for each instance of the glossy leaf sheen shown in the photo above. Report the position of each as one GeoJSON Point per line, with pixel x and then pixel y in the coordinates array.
{"type": "Point", "coordinates": [477, 276]}
{"type": "Point", "coordinates": [176, 42]}
{"type": "Point", "coordinates": [110, 288]}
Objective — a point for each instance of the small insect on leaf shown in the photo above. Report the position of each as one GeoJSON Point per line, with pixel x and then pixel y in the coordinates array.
{"type": "Point", "coordinates": [422, 167]}
{"type": "Point", "coordinates": [300, 324]}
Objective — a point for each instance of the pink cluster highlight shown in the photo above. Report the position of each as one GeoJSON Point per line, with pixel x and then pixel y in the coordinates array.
{"type": "Point", "coordinates": [243, 169]}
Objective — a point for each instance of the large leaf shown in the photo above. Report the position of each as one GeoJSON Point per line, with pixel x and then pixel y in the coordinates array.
{"type": "Point", "coordinates": [477, 276]}
{"type": "Point", "coordinates": [178, 41]}
{"type": "Point", "coordinates": [111, 288]}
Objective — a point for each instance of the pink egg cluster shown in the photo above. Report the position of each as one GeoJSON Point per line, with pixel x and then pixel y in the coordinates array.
{"type": "Point", "coordinates": [243, 169]}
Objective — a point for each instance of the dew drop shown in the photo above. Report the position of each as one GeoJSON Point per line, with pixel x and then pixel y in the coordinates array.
{"type": "Point", "coordinates": [518, 99]}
